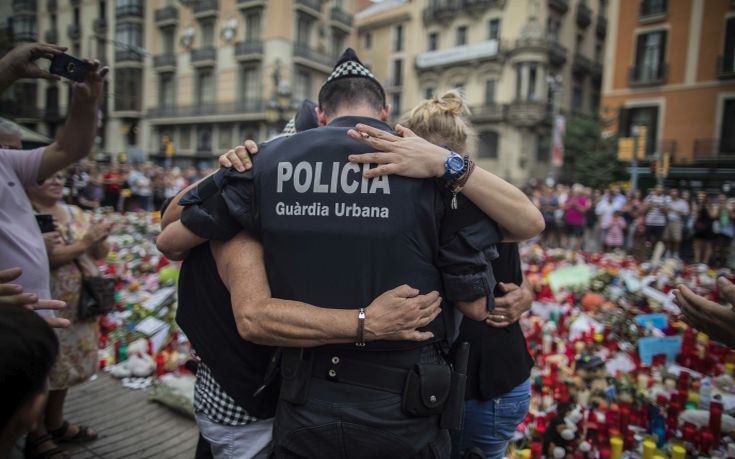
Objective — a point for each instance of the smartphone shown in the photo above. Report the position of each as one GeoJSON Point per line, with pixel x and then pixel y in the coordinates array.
{"type": "Point", "coordinates": [69, 67]}
{"type": "Point", "coordinates": [46, 223]}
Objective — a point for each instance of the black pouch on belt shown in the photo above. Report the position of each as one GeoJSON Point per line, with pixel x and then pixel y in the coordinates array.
{"type": "Point", "coordinates": [454, 409]}
{"type": "Point", "coordinates": [295, 375]}
{"type": "Point", "coordinates": [427, 389]}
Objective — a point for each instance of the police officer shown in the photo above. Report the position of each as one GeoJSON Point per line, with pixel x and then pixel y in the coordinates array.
{"type": "Point", "coordinates": [333, 238]}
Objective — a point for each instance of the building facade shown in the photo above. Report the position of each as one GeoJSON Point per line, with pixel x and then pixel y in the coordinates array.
{"type": "Point", "coordinates": [200, 74]}
{"type": "Point", "coordinates": [671, 64]}
{"type": "Point", "coordinates": [513, 61]}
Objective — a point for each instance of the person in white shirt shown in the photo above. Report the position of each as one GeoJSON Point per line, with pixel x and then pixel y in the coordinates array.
{"type": "Point", "coordinates": [655, 207]}
{"type": "Point", "coordinates": [605, 210]}
{"type": "Point", "coordinates": [678, 210]}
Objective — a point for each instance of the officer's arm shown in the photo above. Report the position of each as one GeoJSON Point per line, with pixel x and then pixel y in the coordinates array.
{"type": "Point", "coordinates": [269, 321]}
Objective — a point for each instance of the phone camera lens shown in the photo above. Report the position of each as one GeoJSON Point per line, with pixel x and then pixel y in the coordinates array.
{"type": "Point", "coordinates": [70, 67]}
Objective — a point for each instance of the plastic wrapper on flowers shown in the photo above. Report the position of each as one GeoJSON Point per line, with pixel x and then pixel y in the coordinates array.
{"type": "Point", "coordinates": [617, 373]}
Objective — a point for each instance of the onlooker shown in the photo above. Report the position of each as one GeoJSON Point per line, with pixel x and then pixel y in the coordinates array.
{"type": "Point", "coordinates": [678, 210]}
{"type": "Point", "coordinates": [576, 207]}
{"type": "Point", "coordinates": [548, 203]}
{"type": "Point", "coordinates": [723, 229]}
{"type": "Point", "coordinates": [615, 235]}
{"type": "Point", "coordinates": [28, 348]}
{"type": "Point", "coordinates": [704, 214]}
{"type": "Point", "coordinates": [604, 211]}
{"type": "Point", "coordinates": [633, 218]}
{"type": "Point", "coordinates": [656, 205]}
{"type": "Point", "coordinates": [83, 242]}
{"type": "Point", "coordinates": [112, 184]}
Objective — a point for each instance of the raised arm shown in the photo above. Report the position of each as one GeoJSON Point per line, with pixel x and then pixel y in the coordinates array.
{"type": "Point", "coordinates": [395, 315]}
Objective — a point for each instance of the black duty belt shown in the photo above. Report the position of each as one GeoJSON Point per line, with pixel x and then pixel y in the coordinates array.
{"type": "Point", "coordinates": [359, 373]}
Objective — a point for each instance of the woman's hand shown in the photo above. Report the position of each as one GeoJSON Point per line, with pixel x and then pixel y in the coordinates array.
{"type": "Point", "coordinates": [239, 157]}
{"type": "Point", "coordinates": [96, 233]}
{"type": "Point", "coordinates": [408, 156]}
{"type": "Point", "coordinates": [51, 240]}
{"type": "Point", "coordinates": [715, 320]}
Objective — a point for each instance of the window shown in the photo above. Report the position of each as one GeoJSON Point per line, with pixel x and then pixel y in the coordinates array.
{"type": "Point", "coordinates": [398, 38]}
{"type": "Point", "coordinates": [579, 43]}
{"type": "Point", "coordinates": [368, 40]}
{"type": "Point", "coordinates": [433, 41]}
{"type": "Point", "coordinates": [649, 59]}
{"type": "Point", "coordinates": [224, 139]}
{"type": "Point", "coordinates": [493, 29]}
{"type": "Point", "coordinates": [459, 87]}
{"type": "Point", "coordinates": [103, 8]}
{"type": "Point", "coordinates": [461, 35]}
{"type": "Point", "coordinates": [542, 148]}
{"type": "Point", "coordinates": [397, 72]}
{"type": "Point", "coordinates": [653, 7]}
{"type": "Point", "coordinates": [127, 89]}
{"type": "Point", "coordinates": [396, 104]}
{"type": "Point", "coordinates": [728, 60]}
{"type": "Point", "coordinates": [532, 75]}
{"type": "Point", "coordinates": [598, 52]}
{"type": "Point", "coordinates": [185, 138]}
{"type": "Point", "coordinates": [338, 43]}
{"type": "Point", "coordinates": [204, 139]}
{"type": "Point", "coordinates": [76, 16]}
{"type": "Point", "coordinates": [595, 102]}
{"type": "Point", "coordinates": [642, 116]}
{"type": "Point", "coordinates": [101, 49]}
{"type": "Point", "coordinates": [577, 96]}
{"type": "Point", "coordinates": [727, 131]}
{"type": "Point", "coordinates": [553, 26]}
{"type": "Point", "coordinates": [166, 91]}
{"type": "Point", "coordinates": [205, 88]}
{"type": "Point", "coordinates": [252, 27]}
{"type": "Point", "coordinates": [303, 85]}
{"type": "Point", "coordinates": [303, 31]}
{"type": "Point", "coordinates": [489, 92]}
{"type": "Point", "coordinates": [249, 85]}
{"type": "Point", "coordinates": [52, 98]}
{"type": "Point", "coordinates": [429, 93]}
{"type": "Point", "coordinates": [207, 34]}
{"type": "Point", "coordinates": [488, 145]}
{"type": "Point", "coordinates": [168, 38]}
{"type": "Point", "coordinates": [24, 28]}
{"type": "Point", "coordinates": [519, 80]}
{"type": "Point", "coordinates": [128, 35]}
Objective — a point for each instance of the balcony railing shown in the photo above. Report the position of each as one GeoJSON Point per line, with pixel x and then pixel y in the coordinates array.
{"type": "Point", "coordinates": [249, 49]}
{"type": "Point", "coordinates": [166, 14]}
{"type": "Point", "coordinates": [528, 113]}
{"type": "Point", "coordinates": [164, 60]}
{"type": "Point", "coordinates": [581, 64]}
{"type": "Point", "coordinates": [726, 66]}
{"type": "Point", "coordinates": [647, 76]}
{"type": "Point", "coordinates": [131, 10]}
{"type": "Point", "coordinates": [318, 57]}
{"type": "Point", "coordinates": [557, 53]}
{"type": "Point", "coordinates": [241, 107]}
{"type": "Point", "coordinates": [489, 112]}
{"type": "Point", "coordinates": [127, 55]}
{"type": "Point", "coordinates": [338, 15]}
{"type": "Point", "coordinates": [561, 6]}
{"type": "Point", "coordinates": [651, 9]}
{"type": "Point", "coordinates": [25, 35]}
{"type": "Point", "coordinates": [51, 36]}
{"type": "Point", "coordinates": [74, 31]}
{"type": "Point", "coordinates": [441, 11]}
{"type": "Point", "coordinates": [203, 8]}
{"type": "Point", "coordinates": [601, 27]}
{"type": "Point", "coordinates": [713, 149]}
{"type": "Point", "coordinates": [246, 4]}
{"type": "Point", "coordinates": [204, 56]}
{"type": "Point", "coordinates": [313, 5]}
{"type": "Point", "coordinates": [24, 6]}
{"type": "Point", "coordinates": [100, 26]}
{"type": "Point", "coordinates": [584, 15]}
{"type": "Point", "coordinates": [485, 50]}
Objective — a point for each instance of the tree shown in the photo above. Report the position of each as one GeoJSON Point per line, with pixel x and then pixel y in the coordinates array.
{"type": "Point", "coordinates": [590, 159]}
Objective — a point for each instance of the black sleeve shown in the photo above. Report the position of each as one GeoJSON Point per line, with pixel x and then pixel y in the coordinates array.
{"type": "Point", "coordinates": [220, 206]}
{"type": "Point", "coordinates": [507, 267]}
{"type": "Point", "coordinates": [467, 245]}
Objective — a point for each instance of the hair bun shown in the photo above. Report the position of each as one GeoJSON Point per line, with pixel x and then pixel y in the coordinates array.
{"type": "Point", "coordinates": [451, 101]}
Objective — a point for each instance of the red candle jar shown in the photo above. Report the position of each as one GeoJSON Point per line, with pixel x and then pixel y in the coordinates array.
{"type": "Point", "coordinates": [715, 420]}
{"type": "Point", "coordinates": [536, 450]}
{"type": "Point", "coordinates": [706, 441]}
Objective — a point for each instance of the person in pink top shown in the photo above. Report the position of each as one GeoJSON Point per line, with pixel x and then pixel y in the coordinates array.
{"type": "Point", "coordinates": [575, 208]}
{"type": "Point", "coordinates": [615, 237]}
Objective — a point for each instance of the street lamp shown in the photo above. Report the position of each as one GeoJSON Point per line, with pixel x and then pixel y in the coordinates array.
{"type": "Point", "coordinates": [281, 107]}
{"type": "Point", "coordinates": [554, 83]}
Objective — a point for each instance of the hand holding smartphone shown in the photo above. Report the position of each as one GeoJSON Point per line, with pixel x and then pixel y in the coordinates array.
{"type": "Point", "coordinates": [46, 223]}
{"type": "Point", "coordinates": [69, 67]}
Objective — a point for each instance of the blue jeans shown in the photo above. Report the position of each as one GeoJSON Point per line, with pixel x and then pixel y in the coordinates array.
{"type": "Point", "coordinates": [489, 425]}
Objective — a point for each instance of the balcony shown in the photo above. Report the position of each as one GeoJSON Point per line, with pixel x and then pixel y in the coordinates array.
{"type": "Point", "coordinates": [165, 62]}
{"type": "Point", "coordinates": [442, 11]}
{"type": "Point", "coordinates": [458, 55]}
{"type": "Point", "coordinates": [601, 26]}
{"type": "Point", "coordinates": [51, 36]}
{"type": "Point", "coordinates": [525, 113]}
{"type": "Point", "coordinates": [557, 53]}
{"type": "Point", "coordinates": [560, 6]}
{"type": "Point", "coordinates": [726, 67]}
{"type": "Point", "coordinates": [25, 36]}
{"type": "Point", "coordinates": [74, 31]}
{"type": "Point", "coordinates": [51, 6]}
{"type": "Point", "coordinates": [24, 6]}
{"type": "Point", "coordinates": [653, 10]}
{"type": "Point", "coordinates": [714, 149]}
{"type": "Point", "coordinates": [100, 26]}
{"type": "Point", "coordinates": [249, 50]}
{"type": "Point", "coordinates": [596, 71]}
{"type": "Point", "coordinates": [584, 15]}
{"type": "Point", "coordinates": [128, 55]}
{"type": "Point", "coordinates": [247, 4]}
{"type": "Point", "coordinates": [168, 15]}
{"type": "Point", "coordinates": [253, 106]}
{"type": "Point", "coordinates": [129, 11]}
{"type": "Point", "coordinates": [204, 57]}
{"type": "Point", "coordinates": [489, 112]}
{"type": "Point", "coordinates": [319, 60]}
{"type": "Point", "coordinates": [647, 76]}
{"type": "Point", "coordinates": [313, 7]}
{"type": "Point", "coordinates": [581, 65]}
{"type": "Point", "coordinates": [341, 18]}
{"type": "Point", "coordinates": [205, 8]}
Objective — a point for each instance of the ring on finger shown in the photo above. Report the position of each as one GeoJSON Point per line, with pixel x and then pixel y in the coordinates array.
{"type": "Point", "coordinates": [365, 135]}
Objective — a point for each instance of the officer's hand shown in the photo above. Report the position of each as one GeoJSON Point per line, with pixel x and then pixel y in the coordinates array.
{"type": "Point", "coordinates": [409, 155]}
{"type": "Point", "coordinates": [239, 157]}
{"type": "Point", "coordinates": [397, 314]}
{"type": "Point", "coordinates": [510, 307]}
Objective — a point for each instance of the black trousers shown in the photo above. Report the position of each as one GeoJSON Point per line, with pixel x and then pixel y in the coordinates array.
{"type": "Point", "coordinates": [342, 421]}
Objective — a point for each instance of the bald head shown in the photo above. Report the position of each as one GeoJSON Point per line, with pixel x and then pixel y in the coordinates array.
{"type": "Point", "coordinates": [10, 135]}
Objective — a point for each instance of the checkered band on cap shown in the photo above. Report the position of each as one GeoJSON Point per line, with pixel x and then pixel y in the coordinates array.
{"type": "Point", "coordinates": [350, 69]}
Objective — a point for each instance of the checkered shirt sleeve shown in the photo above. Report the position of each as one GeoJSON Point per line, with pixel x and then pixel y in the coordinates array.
{"type": "Point", "coordinates": [213, 402]}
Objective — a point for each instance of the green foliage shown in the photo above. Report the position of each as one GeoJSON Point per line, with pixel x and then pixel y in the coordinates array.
{"type": "Point", "coordinates": [588, 158]}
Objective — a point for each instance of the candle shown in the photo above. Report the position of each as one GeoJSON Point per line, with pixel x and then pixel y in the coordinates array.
{"type": "Point", "coordinates": [715, 419]}
{"type": "Point", "coordinates": [678, 452]}
{"type": "Point", "coordinates": [706, 441]}
{"type": "Point", "coordinates": [616, 446]}
{"type": "Point", "coordinates": [536, 448]}
{"type": "Point", "coordinates": [649, 449]}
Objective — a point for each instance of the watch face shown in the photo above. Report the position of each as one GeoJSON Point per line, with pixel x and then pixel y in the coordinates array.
{"type": "Point", "coordinates": [456, 163]}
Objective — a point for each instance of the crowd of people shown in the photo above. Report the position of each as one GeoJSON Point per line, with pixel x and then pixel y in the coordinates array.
{"type": "Point", "coordinates": [697, 227]}
{"type": "Point", "coordinates": [330, 289]}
